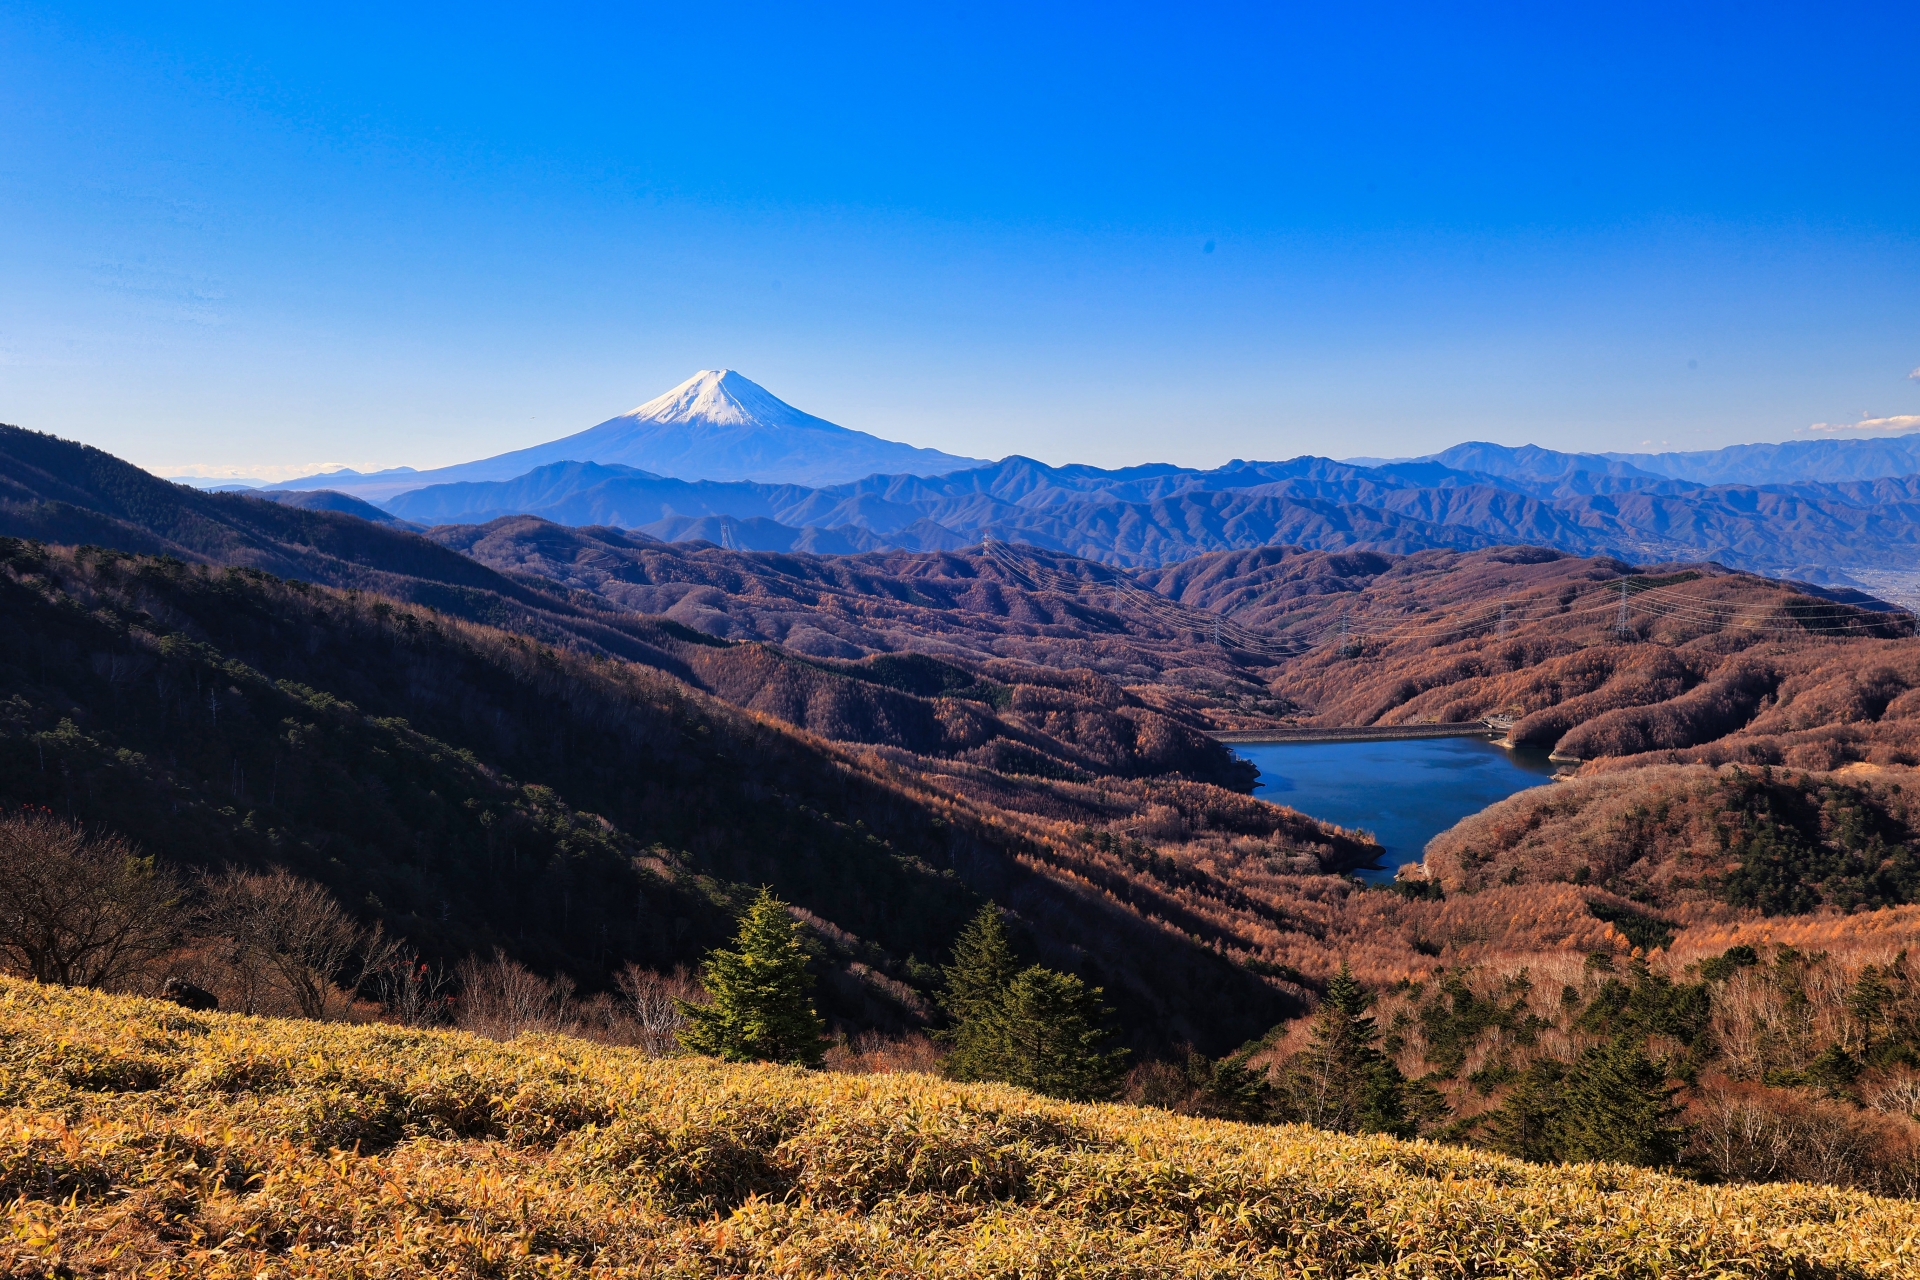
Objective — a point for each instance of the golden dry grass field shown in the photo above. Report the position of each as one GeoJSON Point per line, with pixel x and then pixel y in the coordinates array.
{"type": "Point", "coordinates": [140, 1139]}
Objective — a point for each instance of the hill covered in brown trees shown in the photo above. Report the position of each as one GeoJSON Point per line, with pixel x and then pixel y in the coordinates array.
{"type": "Point", "coordinates": [471, 787]}
{"type": "Point", "coordinates": [852, 729]}
{"type": "Point", "coordinates": [1720, 664]}
{"type": "Point", "coordinates": [1776, 841]}
{"type": "Point", "coordinates": [1029, 718]}
{"type": "Point", "coordinates": [1708, 664]}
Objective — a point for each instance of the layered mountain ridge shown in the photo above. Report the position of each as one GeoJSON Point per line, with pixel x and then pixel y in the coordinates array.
{"type": "Point", "coordinates": [719, 458]}
{"type": "Point", "coordinates": [1790, 462]}
{"type": "Point", "coordinates": [1471, 497]}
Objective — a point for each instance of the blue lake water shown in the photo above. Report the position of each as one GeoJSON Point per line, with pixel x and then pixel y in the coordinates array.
{"type": "Point", "coordinates": [1405, 792]}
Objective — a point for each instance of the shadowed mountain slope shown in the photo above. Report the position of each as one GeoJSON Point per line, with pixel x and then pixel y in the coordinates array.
{"type": "Point", "coordinates": [97, 498]}
{"type": "Point", "coordinates": [329, 500]}
{"type": "Point", "coordinates": [473, 787]}
{"type": "Point", "coordinates": [62, 492]}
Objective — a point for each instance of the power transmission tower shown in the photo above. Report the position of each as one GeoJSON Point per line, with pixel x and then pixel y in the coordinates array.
{"type": "Point", "coordinates": [1501, 629]}
{"type": "Point", "coordinates": [1622, 626]}
{"type": "Point", "coordinates": [726, 537]}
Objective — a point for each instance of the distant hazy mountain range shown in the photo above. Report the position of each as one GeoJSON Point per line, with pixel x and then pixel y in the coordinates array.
{"type": "Point", "coordinates": [1156, 515]}
{"type": "Point", "coordinates": [1789, 463]}
{"type": "Point", "coordinates": [716, 425]}
{"type": "Point", "coordinates": [722, 459]}
{"type": "Point", "coordinates": [1794, 462]}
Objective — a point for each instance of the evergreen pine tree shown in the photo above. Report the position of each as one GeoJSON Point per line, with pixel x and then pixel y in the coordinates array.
{"type": "Point", "coordinates": [1034, 1028]}
{"type": "Point", "coordinates": [1229, 1089]}
{"type": "Point", "coordinates": [1615, 1105]}
{"type": "Point", "coordinates": [760, 1010]}
{"type": "Point", "coordinates": [1341, 1081]}
{"type": "Point", "coordinates": [983, 968]}
{"type": "Point", "coordinates": [1527, 1124]}
{"type": "Point", "coordinates": [1046, 1033]}
{"type": "Point", "coordinates": [1868, 1002]}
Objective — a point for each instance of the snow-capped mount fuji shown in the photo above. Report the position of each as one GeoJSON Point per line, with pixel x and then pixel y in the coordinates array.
{"type": "Point", "coordinates": [717, 425]}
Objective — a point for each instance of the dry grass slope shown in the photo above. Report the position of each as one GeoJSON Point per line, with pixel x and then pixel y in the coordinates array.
{"type": "Point", "coordinates": [140, 1139]}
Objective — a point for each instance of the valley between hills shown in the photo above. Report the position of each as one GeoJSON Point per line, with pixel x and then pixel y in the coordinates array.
{"type": "Point", "coordinates": [579, 749]}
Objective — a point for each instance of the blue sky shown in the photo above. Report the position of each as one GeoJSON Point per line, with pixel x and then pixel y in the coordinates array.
{"type": "Point", "coordinates": [1099, 234]}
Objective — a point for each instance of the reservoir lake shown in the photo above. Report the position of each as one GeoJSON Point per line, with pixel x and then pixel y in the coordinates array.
{"type": "Point", "coordinates": [1404, 791]}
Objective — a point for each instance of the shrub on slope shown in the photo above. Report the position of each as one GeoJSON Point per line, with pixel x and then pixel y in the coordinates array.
{"type": "Point", "coordinates": [136, 1136]}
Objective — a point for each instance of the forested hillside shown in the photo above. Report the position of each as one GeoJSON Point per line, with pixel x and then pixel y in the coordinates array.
{"type": "Point", "coordinates": [1707, 664]}
{"type": "Point", "coordinates": [1777, 841]}
{"type": "Point", "coordinates": [1711, 664]}
{"type": "Point", "coordinates": [1022, 718]}
{"type": "Point", "coordinates": [60, 492]}
{"type": "Point", "coordinates": [474, 787]}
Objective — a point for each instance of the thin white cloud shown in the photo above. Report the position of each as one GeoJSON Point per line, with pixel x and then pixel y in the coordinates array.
{"type": "Point", "coordinates": [1915, 375]}
{"type": "Point", "coordinates": [1894, 426]}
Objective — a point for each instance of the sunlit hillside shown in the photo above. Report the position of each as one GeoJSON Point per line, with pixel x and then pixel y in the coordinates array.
{"type": "Point", "coordinates": [141, 1137]}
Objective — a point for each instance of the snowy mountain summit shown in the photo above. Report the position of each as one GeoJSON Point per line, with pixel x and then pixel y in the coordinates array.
{"type": "Point", "coordinates": [724, 398]}
{"type": "Point", "coordinates": [717, 425]}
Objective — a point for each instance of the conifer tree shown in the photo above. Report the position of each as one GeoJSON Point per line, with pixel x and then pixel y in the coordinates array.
{"type": "Point", "coordinates": [1047, 1033]}
{"type": "Point", "coordinates": [983, 968]}
{"type": "Point", "coordinates": [1031, 1027]}
{"type": "Point", "coordinates": [1867, 1003]}
{"type": "Point", "coordinates": [1615, 1105]}
{"type": "Point", "coordinates": [1341, 1081]}
{"type": "Point", "coordinates": [760, 1011]}
{"type": "Point", "coordinates": [1229, 1089]}
{"type": "Point", "coordinates": [1527, 1124]}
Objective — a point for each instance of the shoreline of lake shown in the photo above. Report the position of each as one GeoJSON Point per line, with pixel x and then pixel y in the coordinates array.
{"type": "Point", "coordinates": [1389, 733]}
{"type": "Point", "coordinates": [1393, 784]}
